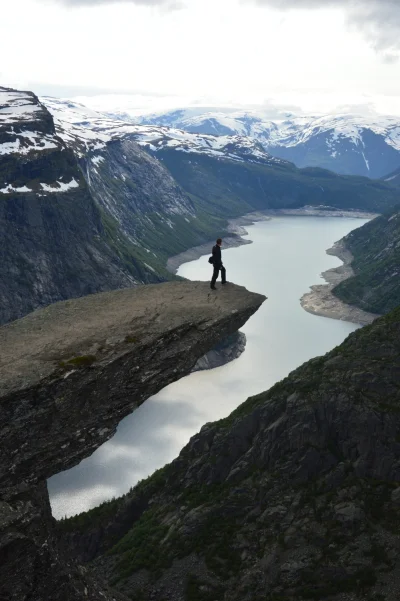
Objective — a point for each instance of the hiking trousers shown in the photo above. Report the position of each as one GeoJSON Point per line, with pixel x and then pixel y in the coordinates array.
{"type": "Point", "coordinates": [217, 269]}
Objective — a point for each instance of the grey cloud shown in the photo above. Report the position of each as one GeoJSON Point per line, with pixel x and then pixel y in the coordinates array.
{"type": "Point", "coordinates": [377, 20]}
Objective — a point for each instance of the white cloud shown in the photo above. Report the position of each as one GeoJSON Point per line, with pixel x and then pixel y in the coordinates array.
{"type": "Point", "coordinates": [213, 52]}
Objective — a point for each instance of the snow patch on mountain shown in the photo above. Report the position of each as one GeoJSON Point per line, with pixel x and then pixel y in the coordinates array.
{"type": "Point", "coordinates": [88, 130]}
{"type": "Point", "coordinates": [9, 189]}
{"type": "Point", "coordinates": [96, 160]}
{"type": "Point", "coordinates": [19, 113]}
{"type": "Point", "coordinates": [27, 130]}
{"type": "Point", "coordinates": [345, 143]}
{"type": "Point", "coordinates": [16, 106]}
{"type": "Point", "coordinates": [286, 131]}
{"type": "Point", "coordinates": [60, 186]}
{"type": "Point", "coordinates": [35, 142]}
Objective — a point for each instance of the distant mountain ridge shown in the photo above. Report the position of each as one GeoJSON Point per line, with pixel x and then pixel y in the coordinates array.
{"type": "Point", "coordinates": [346, 144]}
{"type": "Point", "coordinates": [92, 203]}
{"type": "Point", "coordinates": [225, 175]}
{"type": "Point", "coordinates": [89, 130]}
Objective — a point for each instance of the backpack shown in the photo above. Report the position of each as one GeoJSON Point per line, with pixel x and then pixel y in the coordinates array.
{"type": "Point", "coordinates": [211, 259]}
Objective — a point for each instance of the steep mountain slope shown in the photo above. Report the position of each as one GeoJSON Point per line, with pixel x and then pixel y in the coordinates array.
{"type": "Point", "coordinates": [226, 176]}
{"type": "Point", "coordinates": [294, 496]}
{"type": "Point", "coordinates": [54, 242]}
{"type": "Point", "coordinates": [376, 250]}
{"type": "Point", "coordinates": [133, 186]}
{"type": "Point", "coordinates": [263, 186]}
{"type": "Point", "coordinates": [393, 178]}
{"type": "Point", "coordinates": [345, 144]}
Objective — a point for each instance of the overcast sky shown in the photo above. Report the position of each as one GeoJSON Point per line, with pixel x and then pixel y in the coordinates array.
{"type": "Point", "coordinates": [319, 55]}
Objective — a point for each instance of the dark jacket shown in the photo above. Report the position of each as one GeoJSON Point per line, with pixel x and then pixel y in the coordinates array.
{"type": "Point", "coordinates": [216, 253]}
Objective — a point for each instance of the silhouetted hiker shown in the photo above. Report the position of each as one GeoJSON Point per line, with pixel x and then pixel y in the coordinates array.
{"type": "Point", "coordinates": [217, 263]}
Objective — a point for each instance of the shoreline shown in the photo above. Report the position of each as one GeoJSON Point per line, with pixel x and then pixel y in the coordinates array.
{"type": "Point", "coordinates": [237, 229]}
{"type": "Point", "coordinates": [321, 301]}
{"type": "Point", "coordinates": [309, 211]}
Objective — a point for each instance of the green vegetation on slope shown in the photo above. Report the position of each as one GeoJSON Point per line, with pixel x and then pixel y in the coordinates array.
{"type": "Point", "coordinates": [393, 179]}
{"type": "Point", "coordinates": [296, 493]}
{"type": "Point", "coordinates": [183, 233]}
{"type": "Point", "coordinates": [148, 217]}
{"type": "Point", "coordinates": [231, 188]}
{"type": "Point", "coordinates": [133, 257]}
{"type": "Point", "coordinates": [376, 250]}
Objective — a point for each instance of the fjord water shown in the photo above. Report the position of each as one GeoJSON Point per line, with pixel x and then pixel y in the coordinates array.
{"type": "Point", "coordinates": [287, 257]}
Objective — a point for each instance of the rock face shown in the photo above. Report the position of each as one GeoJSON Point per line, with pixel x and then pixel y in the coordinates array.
{"type": "Point", "coordinates": [295, 496]}
{"type": "Point", "coordinates": [142, 200]}
{"type": "Point", "coordinates": [68, 374]}
{"type": "Point", "coordinates": [55, 242]}
{"type": "Point", "coordinates": [228, 350]}
{"type": "Point", "coordinates": [375, 247]}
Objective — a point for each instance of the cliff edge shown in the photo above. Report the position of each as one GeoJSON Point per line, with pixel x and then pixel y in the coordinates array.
{"type": "Point", "coordinates": [68, 374]}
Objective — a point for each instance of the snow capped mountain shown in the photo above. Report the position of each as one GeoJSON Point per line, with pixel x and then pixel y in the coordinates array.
{"type": "Point", "coordinates": [90, 130]}
{"type": "Point", "coordinates": [289, 131]}
{"type": "Point", "coordinates": [53, 243]}
{"type": "Point", "coordinates": [18, 112]}
{"type": "Point", "coordinates": [347, 144]}
{"type": "Point", "coordinates": [27, 130]}
{"type": "Point", "coordinates": [211, 165]}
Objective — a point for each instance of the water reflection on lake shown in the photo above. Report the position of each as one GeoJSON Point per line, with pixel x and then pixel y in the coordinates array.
{"type": "Point", "coordinates": [287, 256]}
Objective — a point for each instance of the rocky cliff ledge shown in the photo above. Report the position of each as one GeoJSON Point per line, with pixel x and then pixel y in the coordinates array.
{"type": "Point", "coordinates": [68, 374]}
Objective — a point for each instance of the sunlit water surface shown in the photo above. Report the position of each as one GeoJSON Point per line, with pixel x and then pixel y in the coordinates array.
{"type": "Point", "coordinates": [287, 257]}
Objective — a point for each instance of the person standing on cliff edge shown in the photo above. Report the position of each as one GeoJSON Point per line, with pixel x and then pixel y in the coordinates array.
{"type": "Point", "coordinates": [217, 263]}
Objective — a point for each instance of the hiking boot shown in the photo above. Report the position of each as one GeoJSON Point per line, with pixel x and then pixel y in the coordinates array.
{"type": "Point", "coordinates": [213, 287]}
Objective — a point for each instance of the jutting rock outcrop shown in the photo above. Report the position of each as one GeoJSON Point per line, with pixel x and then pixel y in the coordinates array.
{"type": "Point", "coordinates": [68, 374]}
